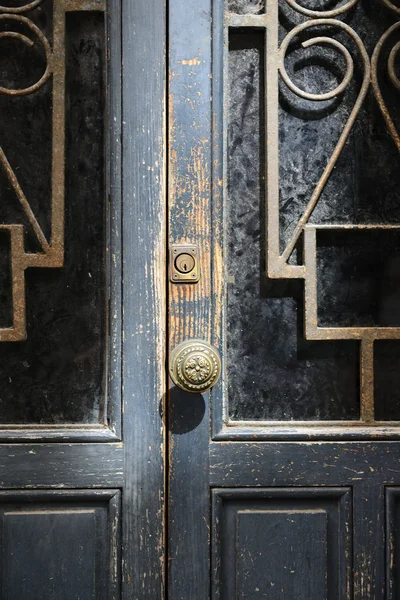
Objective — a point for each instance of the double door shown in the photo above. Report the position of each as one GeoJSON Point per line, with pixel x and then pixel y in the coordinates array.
{"type": "Point", "coordinates": [251, 163]}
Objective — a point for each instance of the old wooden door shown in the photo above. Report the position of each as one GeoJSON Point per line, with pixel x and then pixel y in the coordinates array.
{"type": "Point", "coordinates": [284, 481]}
{"type": "Point", "coordinates": [82, 301]}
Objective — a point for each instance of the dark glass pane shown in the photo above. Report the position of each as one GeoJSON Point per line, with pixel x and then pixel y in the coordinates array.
{"type": "Point", "coordinates": [273, 372]}
{"type": "Point", "coordinates": [358, 273]}
{"type": "Point", "coordinates": [57, 375]}
{"type": "Point", "coordinates": [387, 380]}
{"type": "Point", "coordinates": [5, 279]}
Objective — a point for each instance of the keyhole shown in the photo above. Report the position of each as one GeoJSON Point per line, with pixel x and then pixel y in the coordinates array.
{"type": "Point", "coordinates": [184, 263]}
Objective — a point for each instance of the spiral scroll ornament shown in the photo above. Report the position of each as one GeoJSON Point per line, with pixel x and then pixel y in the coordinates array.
{"type": "Point", "coordinates": [20, 9]}
{"type": "Point", "coordinates": [394, 53]}
{"type": "Point", "coordinates": [330, 29]}
{"type": "Point", "coordinates": [343, 8]}
{"type": "Point", "coordinates": [7, 16]}
{"type": "Point", "coordinates": [17, 18]}
{"type": "Point", "coordinates": [51, 253]}
{"type": "Point", "coordinates": [335, 44]}
{"type": "Point", "coordinates": [38, 36]}
{"type": "Point", "coordinates": [391, 65]}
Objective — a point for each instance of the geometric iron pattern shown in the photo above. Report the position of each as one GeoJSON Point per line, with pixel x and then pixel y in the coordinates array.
{"type": "Point", "coordinates": [322, 24]}
{"type": "Point", "coordinates": [51, 254]}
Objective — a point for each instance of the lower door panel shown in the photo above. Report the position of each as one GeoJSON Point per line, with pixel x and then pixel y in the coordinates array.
{"type": "Point", "coordinates": [282, 543]}
{"type": "Point", "coordinates": [60, 544]}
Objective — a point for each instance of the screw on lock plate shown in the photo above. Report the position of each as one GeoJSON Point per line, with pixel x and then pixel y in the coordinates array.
{"type": "Point", "coordinates": [184, 263]}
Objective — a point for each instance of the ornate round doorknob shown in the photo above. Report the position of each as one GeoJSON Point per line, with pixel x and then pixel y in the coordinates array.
{"type": "Point", "coordinates": [195, 366]}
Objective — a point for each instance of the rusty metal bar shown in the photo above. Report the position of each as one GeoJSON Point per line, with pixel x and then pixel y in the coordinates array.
{"type": "Point", "coordinates": [248, 20]}
{"type": "Point", "coordinates": [58, 130]}
{"type": "Point", "coordinates": [349, 124]}
{"type": "Point", "coordinates": [367, 405]}
{"type": "Point", "coordinates": [272, 137]}
{"type": "Point", "coordinates": [23, 201]}
{"type": "Point", "coordinates": [86, 5]}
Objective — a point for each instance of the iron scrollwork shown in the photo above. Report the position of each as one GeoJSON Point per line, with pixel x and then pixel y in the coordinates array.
{"type": "Point", "coordinates": [51, 253]}
{"type": "Point", "coordinates": [321, 28]}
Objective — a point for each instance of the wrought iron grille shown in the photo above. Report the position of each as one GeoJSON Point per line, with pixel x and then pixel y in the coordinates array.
{"type": "Point", "coordinates": [51, 253]}
{"type": "Point", "coordinates": [322, 28]}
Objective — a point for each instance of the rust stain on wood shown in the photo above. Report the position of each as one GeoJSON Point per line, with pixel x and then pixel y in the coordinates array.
{"type": "Point", "coordinates": [191, 62]}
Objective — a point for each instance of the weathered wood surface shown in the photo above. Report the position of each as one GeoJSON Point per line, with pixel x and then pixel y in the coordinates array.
{"type": "Point", "coordinates": [326, 463]}
{"type": "Point", "coordinates": [144, 244]}
{"type": "Point", "coordinates": [366, 467]}
{"type": "Point", "coordinates": [189, 305]}
{"type": "Point", "coordinates": [60, 544]}
{"type": "Point", "coordinates": [136, 200]}
{"type": "Point", "coordinates": [282, 543]}
{"type": "Point", "coordinates": [61, 465]}
{"type": "Point", "coordinates": [347, 545]}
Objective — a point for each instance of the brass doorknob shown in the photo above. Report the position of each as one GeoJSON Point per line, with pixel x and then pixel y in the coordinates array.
{"type": "Point", "coordinates": [195, 366]}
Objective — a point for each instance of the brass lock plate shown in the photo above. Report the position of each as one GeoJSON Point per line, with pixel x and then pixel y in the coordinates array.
{"type": "Point", "coordinates": [184, 264]}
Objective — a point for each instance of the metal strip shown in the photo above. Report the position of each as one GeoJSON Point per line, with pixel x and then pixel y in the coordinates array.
{"type": "Point", "coordinates": [367, 380]}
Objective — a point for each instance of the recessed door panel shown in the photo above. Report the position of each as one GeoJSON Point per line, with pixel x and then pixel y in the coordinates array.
{"type": "Point", "coordinates": [60, 545]}
{"type": "Point", "coordinates": [282, 543]}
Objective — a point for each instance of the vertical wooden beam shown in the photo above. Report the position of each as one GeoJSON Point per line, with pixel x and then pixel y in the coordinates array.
{"type": "Point", "coordinates": [369, 543]}
{"type": "Point", "coordinates": [190, 304]}
{"type": "Point", "coordinates": [220, 54]}
{"type": "Point", "coordinates": [144, 257]}
{"type": "Point", "coordinates": [113, 417]}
